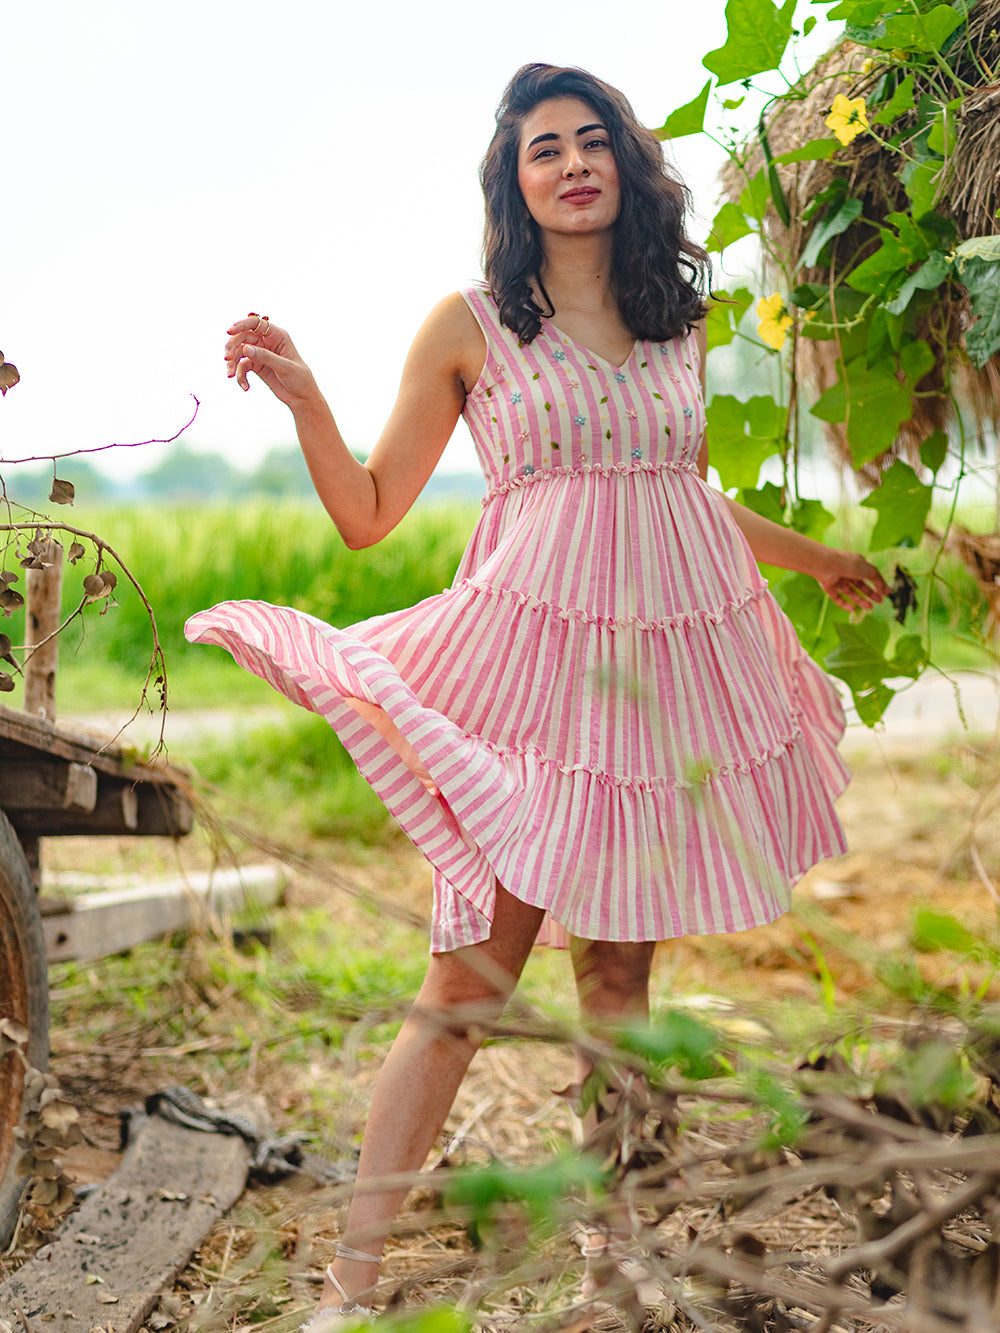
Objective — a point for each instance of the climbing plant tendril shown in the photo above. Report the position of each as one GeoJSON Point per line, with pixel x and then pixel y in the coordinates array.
{"type": "Point", "coordinates": [870, 184]}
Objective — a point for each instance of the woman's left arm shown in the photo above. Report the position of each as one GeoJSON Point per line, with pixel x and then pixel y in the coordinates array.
{"type": "Point", "coordinates": [847, 578]}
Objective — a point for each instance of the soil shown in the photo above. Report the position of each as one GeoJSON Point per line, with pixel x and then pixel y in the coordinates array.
{"type": "Point", "coordinates": [924, 835]}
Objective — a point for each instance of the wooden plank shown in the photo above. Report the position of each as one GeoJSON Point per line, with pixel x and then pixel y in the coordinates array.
{"type": "Point", "coordinates": [35, 733]}
{"type": "Point", "coordinates": [112, 920]}
{"type": "Point", "coordinates": [43, 613]}
{"type": "Point", "coordinates": [127, 1242]}
{"type": "Point", "coordinates": [122, 807]}
{"type": "Point", "coordinates": [33, 784]}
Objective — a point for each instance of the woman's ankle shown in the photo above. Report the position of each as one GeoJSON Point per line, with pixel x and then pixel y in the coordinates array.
{"type": "Point", "coordinates": [351, 1277]}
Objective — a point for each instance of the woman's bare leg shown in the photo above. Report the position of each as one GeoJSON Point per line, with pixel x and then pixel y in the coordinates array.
{"type": "Point", "coordinates": [421, 1075]}
{"type": "Point", "coordinates": [612, 982]}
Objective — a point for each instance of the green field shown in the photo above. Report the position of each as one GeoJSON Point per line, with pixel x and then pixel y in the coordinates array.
{"type": "Point", "coordinates": [187, 558]}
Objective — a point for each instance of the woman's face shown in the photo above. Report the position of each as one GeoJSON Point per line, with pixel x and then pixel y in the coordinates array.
{"type": "Point", "coordinates": [566, 169]}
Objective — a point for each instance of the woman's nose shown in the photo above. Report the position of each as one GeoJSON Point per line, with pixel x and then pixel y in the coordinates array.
{"type": "Point", "coordinates": [575, 165]}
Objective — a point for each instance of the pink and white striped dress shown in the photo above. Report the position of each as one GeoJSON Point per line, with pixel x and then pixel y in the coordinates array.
{"type": "Point", "coordinates": [621, 723]}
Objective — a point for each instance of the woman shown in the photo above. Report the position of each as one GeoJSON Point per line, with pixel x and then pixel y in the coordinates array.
{"type": "Point", "coordinates": [607, 718]}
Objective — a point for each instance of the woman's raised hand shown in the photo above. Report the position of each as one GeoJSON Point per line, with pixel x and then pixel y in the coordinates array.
{"type": "Point", "coordinates": [255, 344]}
{"type": "Point", "coordinates": [851, 581]}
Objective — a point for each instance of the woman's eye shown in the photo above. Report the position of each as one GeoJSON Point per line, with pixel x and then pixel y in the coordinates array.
{"type": "Point", "coordinates": [596, 143]}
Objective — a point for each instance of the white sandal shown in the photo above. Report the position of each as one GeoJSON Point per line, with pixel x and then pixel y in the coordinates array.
{"type": "Point", "coordinates": [632, 1266]}
{"type": "Point", "coordinates": [350, 1313]}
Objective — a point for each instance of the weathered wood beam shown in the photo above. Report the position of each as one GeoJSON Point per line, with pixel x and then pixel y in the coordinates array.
{"type": "Point", "coordinates": [33, 784]}
{"type": "Point", "coordinates": [111, 920]}
{"type": "Point", "coordinates": [130, 1238]}
{"type": "Point", "coordinates": [37, 805]}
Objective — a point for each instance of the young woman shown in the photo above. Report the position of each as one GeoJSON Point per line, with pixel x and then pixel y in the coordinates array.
{"type": "Point", "coordinates": [606, 726]}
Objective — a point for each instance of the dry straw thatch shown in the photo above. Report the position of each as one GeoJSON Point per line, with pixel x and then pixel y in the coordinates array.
{"type": "Point", "coordinates": [968, 190]}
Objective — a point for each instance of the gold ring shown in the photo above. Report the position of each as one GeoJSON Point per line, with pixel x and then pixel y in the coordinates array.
{"type": "Point", "coordinates": [258, 319]}
{"type": "Point", "coordinates": [263, 332]}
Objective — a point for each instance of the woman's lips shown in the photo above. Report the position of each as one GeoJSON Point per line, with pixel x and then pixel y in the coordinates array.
{"type": "Point", "coordinates": [581, 196]}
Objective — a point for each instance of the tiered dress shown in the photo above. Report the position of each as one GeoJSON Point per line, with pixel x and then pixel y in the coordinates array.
{"type": "Point", "coordinates": [620, 721]}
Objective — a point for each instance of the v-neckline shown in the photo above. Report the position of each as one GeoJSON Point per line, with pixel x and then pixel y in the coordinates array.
{"type": "Point", "coordinates": [595, 356]}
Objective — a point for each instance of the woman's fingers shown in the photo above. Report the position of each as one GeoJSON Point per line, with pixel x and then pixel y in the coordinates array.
{"type": "Point", "coordinates": [253, 329]}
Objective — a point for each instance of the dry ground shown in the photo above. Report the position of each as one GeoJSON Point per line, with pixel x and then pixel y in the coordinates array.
{"type": "Point", "coordinates": [923, 829]}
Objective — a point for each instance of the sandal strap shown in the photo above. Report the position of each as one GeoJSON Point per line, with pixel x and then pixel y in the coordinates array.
{"type": "Point", "coordinates": [343, 1251]}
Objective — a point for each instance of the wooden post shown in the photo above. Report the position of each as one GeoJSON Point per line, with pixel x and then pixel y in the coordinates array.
{"type": "Point", "coordinates": [42, 618]}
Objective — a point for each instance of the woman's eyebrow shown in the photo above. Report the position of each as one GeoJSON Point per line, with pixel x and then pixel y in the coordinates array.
{"type": "Point", "coordinates": [584, 129]}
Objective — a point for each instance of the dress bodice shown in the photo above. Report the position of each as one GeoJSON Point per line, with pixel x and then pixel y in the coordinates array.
{"type": "Point", "coordinates": [554, 407]}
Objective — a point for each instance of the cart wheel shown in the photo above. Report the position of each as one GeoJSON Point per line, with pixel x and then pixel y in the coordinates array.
{"type": "Point", "coordinates": [24, 997]}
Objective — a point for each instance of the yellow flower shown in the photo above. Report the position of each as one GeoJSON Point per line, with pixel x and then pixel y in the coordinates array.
{"type": "Point", "coordinates": [848, 118]}
{"type": "Point", "coordinates": [774, 320]}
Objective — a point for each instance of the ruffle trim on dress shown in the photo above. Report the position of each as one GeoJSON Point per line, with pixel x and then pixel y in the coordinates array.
{"type": "Point", "coordinates": [582, 469]}
{"type": "Point", "coordinates": [608, 861]}
{"type": "Point", "coordinates": [571, 614]}
{"type": "Point", "coordinates": [703, 771]}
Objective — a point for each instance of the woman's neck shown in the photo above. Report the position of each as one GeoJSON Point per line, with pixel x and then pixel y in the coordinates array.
{"type": "Point", "coordinates": [576, 273]}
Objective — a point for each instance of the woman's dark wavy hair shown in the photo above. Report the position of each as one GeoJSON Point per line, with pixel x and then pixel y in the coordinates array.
{"type": "Point", "coordinates": [657, 273]}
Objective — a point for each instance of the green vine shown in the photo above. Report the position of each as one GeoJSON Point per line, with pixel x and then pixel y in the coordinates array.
{"type": "Point", "coordinates": [872, 264]}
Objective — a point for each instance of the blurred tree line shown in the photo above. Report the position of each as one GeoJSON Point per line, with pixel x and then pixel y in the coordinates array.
{"type": "Point", "coordinates": [185, 475]}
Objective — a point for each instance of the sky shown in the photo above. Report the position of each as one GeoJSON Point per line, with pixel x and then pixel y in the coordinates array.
{"type": "Point", "coordinates": [168, 168]}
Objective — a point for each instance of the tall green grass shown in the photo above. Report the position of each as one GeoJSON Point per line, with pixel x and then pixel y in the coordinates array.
{"type": "Point", "coordinates": [188, 558]}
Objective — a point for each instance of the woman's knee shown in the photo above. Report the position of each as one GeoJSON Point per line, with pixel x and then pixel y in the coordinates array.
{"type": "Point", "coordinates": [612, 971]}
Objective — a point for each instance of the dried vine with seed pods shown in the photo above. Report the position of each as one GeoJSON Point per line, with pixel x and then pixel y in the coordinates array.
{"type": "Point", "coordinates": [30, 538]}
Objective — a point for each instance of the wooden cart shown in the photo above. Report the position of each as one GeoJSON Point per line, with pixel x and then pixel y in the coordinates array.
{"type": "Point", "coordinates": [55, 782]}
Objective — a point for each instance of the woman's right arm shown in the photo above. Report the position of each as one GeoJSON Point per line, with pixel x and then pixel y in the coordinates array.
{"type": "Point", "coordinates": [367, 500]}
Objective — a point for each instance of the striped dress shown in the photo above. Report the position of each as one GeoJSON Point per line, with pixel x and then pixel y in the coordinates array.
{"type": "Point", "coordinates": [621, 724]}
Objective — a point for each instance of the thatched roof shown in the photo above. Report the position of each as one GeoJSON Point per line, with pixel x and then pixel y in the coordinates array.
{"type": "Point", "coordinates": [968, 190]}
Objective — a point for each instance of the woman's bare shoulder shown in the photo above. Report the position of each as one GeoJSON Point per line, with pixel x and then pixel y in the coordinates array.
{"type": "Point", "coordinates": [451, 336]}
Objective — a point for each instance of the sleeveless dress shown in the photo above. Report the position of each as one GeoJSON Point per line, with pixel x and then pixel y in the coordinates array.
{"type": "Point", "coordinates": [621, 723]}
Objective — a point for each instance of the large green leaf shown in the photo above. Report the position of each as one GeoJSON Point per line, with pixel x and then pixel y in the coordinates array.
{"type": "Point", "coordinates": [934, 450]}
{"type": "Point", "coordinates": [920, 180]}
{"type": "Point", "coordinates": [900, 101]}
{"type": "Point", "coordinates": [979, 247]}
{"type": "Point", "coordinates": [729, 224]}
{"type": "Point", "coordinates": [837, 221]}
{"type": "Point", "coordinates": [816, 150]}
{"type": "Point", "coordinates": [724, 315]}
{"type": "Point", "coordinates": [860, 661]}
{"type": "Point", "coordinates": [812, 613]}
{"type": "Point", "coordinates": [922, 33]}
{"type": "Point", "coordinates": [756, 196]}
{"type": "Point", "coordinates": [810, 518]}
{"type": "Point", "coordinates": [687, 119]}
{"type": "Point", "coordinates": [758, 32]}
{"type": "Point", "coordinates": [872, 402]}
{"type": "Point", "coordinates": [856, 11]}
{"type": "Point", "coordinates": [928, 277]}
{"type": "Point", "coordinates": [741, 435]}
{"type": "Point", "coordinates": [859, 658]}
{"type": "Point", "coordinates": [902, 503]}
{"type": "Point", "coordinates": [981, 279]}
{"type": "Point", "coordinates": [876, 272]}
